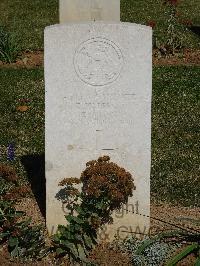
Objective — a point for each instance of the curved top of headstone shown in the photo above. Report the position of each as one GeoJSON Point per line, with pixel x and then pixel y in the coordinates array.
{"type": "Point", "coordinates": [99, 23]}
{"type": "Point", "coordinates": [98, 58]}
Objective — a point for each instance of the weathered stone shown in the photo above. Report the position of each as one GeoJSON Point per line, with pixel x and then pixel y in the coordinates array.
{"type": "Point", "coordinates": [89, 10]}
{"type": "Point", "coordinates": [98, 79]}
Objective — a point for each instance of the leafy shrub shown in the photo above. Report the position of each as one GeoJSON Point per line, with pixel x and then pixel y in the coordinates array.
{"type": "Point", "coordinates": [105, 187]}
{"type": "Point", "coordinates": [8, 47]}
{"type": "Point", "coordinates": [24, 240]}
{"type": "Point", "coordinates": [10, 189]}
{"type": "Point", "coordinates": [8, 179]}
{"type": "Point", "coordinates": [8, 173]}
{"type": "Point", "coordinates": [27, 241]}
{"type": "Point", "coordinates": [8, 218]}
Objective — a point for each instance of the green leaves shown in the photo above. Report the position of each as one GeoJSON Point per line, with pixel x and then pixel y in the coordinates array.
{"type": "Point", "coordinates": [79, 210]}
{"type": "Point", "coordinates": [25, 223]}
{"type": "Point", "coordinates": [184, 253]}
{"type": "Point", "coordinates": [71, 219]}
{"type": "Point", "coordinates": [82, 253]}
{"type": "Point", "coordinates": [78, 237]}
{"type": "Point", "coordinates": [4, 235]}
{"type": "Point", "coordinates": [60, 251]}
{"type": "Point", "coordinates": [8, 48]}
{"type": "Point", "coordinates": [144, 245]}
{"type": "Point", "coordinates": [88, 241]}
{"type": "Point", "coordinates": [28, 242]}
{"type": "Point", "coordinates": [197, 263]}
{"type": "Point", "coordinates": [78, 220]}
{"type": "Point", "coordinates": [15, 252]}
{"type": "Point", "coordinates": [13, 241]}
{"type": "Point", "coordinates": [67, 244]}
{"type": "Point", "coordinates": [23, 239]}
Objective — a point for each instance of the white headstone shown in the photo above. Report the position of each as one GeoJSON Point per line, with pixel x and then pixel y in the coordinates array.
{"type": "Point", "coordinates": [98, 79]}
{"type": "Point", "coordinates": [89, 10]}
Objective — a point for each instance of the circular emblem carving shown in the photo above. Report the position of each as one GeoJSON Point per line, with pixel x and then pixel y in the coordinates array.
{"type": "Point", "coordinates": [98, 61]}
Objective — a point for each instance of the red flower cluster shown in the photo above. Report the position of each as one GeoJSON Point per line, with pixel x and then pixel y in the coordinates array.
{"type": "Point", "coordinates": [104, 179]}
{"type": "Point", "coordinates": [8, 173]}
{"type": "Point", "coordinates": [151, 23]}
{"type": "Point", "coordinates": [69, 181]}
{"type": "Point", "coordinates": [187, 22]}
{"type": "Point", "coordinates": [17, 193]}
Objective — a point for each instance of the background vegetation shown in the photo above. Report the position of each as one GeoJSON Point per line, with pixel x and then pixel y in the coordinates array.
{"type": "Point", "coordinates": [175, 120]}
{"type": "Point", "coordinates": [175, 126]}
{"type": "Point", "coordinates": [26, 19]}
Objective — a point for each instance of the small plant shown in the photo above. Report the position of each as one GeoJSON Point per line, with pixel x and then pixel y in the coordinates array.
{"type": "Point", "coordinates": [8, 173]}
{"type": "Point", "coordinates": [23, 239]}
{"type": "Point", "coordinates": [27, 241]}
{"type": "Point", "coordinates": [9, 184]}
{"type": "Point", "coordinates": [8, 219]}
{"type": "Point", "coordinates": [174, 39]}
{"type": "Point", "coordinates": [191, 246]}
{"type": "Point", "coordinates": [159, 249]}
{"type": "Point", "coordinates": [8, 47]}
{"type": "Point", "coordinates": [105, 187]}
{"type": "Point", "coordinates": [8, 179]}
{"type": "Point", "coordinates": [146, 252]}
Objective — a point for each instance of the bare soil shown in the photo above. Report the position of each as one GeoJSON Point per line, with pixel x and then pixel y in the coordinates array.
{"type": "Point", "coordinates": [188, 57]}
{"type": "Point", "coordinates": [27, 59]}
{"type": "Point", "coordinates": [167, 217]}
{"type": "Point", "coordinates": [34, 59]}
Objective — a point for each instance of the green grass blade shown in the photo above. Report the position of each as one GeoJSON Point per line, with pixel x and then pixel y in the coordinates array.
{"type": "Point", "coordinates": [184, 253]}
{"type": "Point", "coordinates": [145, 244]}
{"type": "Point", "coordinates": [197, 263]}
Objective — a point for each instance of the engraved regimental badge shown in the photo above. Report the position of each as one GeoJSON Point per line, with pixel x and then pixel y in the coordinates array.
{"type": "Point", "coordinates": [98, 61]}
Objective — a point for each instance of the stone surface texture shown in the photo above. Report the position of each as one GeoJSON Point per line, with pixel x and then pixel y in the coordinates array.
{"type": "Point", "coordinates": [98, 82]}
{"type": "Point", "coordinates": [89, 10]}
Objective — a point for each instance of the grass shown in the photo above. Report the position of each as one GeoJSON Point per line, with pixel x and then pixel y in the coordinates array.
{"type": "Point", "coordinates": [175, 127]}
{"type": "Point", "coordinates": [26, 19]}
{"type": "Point", "coordinates": [24, 129]}
{"type": "Point", "coordinates": [143, 11]}
{"type": "Point", "coordinates": [175, 134]}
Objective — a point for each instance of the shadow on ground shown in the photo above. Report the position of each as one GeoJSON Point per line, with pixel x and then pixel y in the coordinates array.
{"type": "Point", "coordinates": [34, 165]}
{"type": "Point", "coordinates": [195, 29]}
